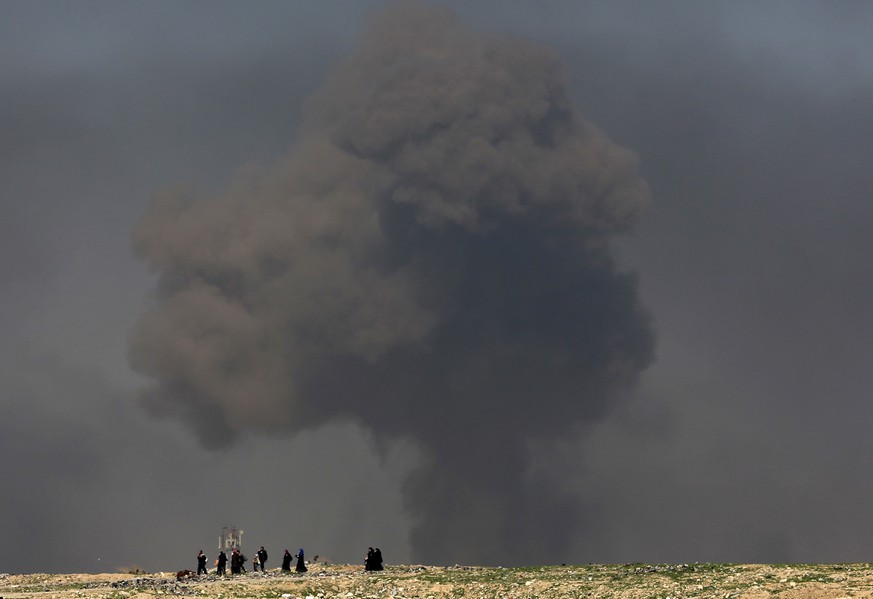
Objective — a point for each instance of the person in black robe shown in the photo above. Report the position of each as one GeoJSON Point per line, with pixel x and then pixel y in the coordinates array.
{"type": "Point", "coordinates": [221, 570]}
{"type": "Point", "coordinates": [300, 567]}
{"type": "Point", "coordinates": [368, 562]}
{"type": "Point", "coordinates": [201, 563]}
{"type": "Point", "coordinates": [286, 561]}
{"type": "Point", "coordinates": [262, 559]}
{"type": "Point", "coordinates": [234, 562]}
{"type": "Point", "coordinates": [377, 559]}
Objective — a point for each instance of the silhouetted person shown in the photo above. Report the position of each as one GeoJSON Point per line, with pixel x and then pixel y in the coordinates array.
{"type": "Point", "coordinates": [286, 561]}
{"type": "Point", "coordinates": [201, 563]}
{"type": "Point", "coordinates": [368, 562]}
{"type": "Point", "coordinates": [262, 559]}
{"type": "Point", "coordinates": [377, 559]}
{"type": "Point", "coordinates": [234, 562]}
{"type": "Point", "coordinates": [221, 562]}
{"type": "Point", "coordinates": [301, 567]}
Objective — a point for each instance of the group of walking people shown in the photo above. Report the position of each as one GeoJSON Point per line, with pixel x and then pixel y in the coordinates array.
{"type": "Point", "coordinates": [237, 562]}
{"type": "Point", "coordinates": [301, 563]}
{"type": "Point", "coordinates": [374, 560]}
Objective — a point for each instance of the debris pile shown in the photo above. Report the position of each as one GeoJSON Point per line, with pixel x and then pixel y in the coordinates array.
{"type": "Point", "coordinates": [166, 586]}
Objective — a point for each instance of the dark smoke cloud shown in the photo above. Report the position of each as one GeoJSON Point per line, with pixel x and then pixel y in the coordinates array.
{"type": "Point", "coordinates": [432, 260]}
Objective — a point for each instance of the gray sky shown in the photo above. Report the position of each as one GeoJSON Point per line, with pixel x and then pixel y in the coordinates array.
{"type": "Point", "coordinates": [744, 440]}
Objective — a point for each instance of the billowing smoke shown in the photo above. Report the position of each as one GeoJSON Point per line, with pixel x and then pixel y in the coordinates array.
{"type": "Point", "coordinates": [432, 260]}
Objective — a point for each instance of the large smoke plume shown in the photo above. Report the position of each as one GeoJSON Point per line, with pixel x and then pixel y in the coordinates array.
{"type": "Point", "coordinates": [432, 260]}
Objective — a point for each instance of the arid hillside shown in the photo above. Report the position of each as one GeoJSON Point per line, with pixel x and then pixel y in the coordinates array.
{"type": "Point", "coordinates": [723, 581]}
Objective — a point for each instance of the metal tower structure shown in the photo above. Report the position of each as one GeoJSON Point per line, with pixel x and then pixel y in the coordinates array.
{"type": "Point", "coordinates": [230, 539]}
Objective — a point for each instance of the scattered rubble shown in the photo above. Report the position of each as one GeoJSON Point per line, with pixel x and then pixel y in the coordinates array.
{"type": "Point", "coordinates": [627, 581]}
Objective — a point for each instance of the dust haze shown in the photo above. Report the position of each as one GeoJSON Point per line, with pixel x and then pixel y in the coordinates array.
{"type": "Point", "coordinates": [329, 306]}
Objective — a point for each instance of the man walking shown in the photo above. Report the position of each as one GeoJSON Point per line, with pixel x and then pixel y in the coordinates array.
{"type": "Point", "coordinates": [201, 563]}
{"type": "Point", "coordinates": [262, 558]}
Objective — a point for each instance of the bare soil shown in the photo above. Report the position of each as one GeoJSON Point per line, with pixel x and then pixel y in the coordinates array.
{"type": "Point", "coordinates": [722, 581]}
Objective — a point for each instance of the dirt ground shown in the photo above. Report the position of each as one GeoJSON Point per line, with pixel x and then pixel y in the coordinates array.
{"type": "Point", "coordinates": [722, 581]}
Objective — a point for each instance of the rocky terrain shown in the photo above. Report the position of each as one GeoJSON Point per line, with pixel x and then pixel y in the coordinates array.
{"type": "Point", "coordinates": [722, 581]}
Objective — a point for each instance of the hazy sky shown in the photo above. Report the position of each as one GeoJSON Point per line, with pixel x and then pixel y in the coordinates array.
{"type": "Point", "coordinates": [744, 439]}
